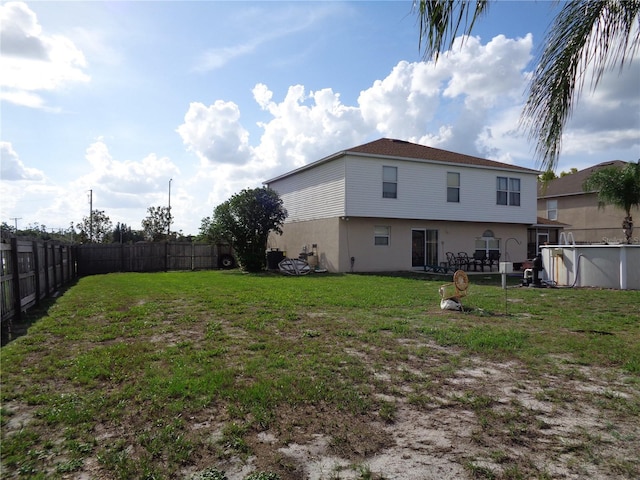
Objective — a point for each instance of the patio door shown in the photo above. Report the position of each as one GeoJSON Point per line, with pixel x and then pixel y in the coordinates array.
{"type": "Point", "coordinates": [543, 239]}
{"type": "Point", "coordinates": [424, 247]}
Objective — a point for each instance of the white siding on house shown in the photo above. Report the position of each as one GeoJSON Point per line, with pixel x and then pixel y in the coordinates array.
{"type": "Point", "coordinates": [422, 192]}
{"type": "Point", "coordinates": [313, 194]}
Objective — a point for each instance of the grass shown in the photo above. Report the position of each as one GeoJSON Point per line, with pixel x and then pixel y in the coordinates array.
{"type": "Point", "coordinates": [115, 374]}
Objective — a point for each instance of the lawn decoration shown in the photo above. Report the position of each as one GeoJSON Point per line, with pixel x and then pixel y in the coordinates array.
{"type": "Point", "coordinates": [451, 293]}
{"type": "Point", "coordinates": [294, 266]}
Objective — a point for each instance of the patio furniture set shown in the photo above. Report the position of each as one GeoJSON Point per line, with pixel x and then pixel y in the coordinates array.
{"type": "Point", "coordinates": [479, 259]}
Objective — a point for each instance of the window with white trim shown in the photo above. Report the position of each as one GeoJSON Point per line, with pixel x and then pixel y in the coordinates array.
{"type": "Point", "coordinates": [552, 209]}
{"type": "Point", "coordinates": [488, 243]}
{"type": "Point", "coordinates": [381, 235]}
{"type": "Point", "coordinates": [453, 187]}
{"type": "Point", "coordinates": [508, 191]}
{"type": "Point", "coordinates": [389, 182]}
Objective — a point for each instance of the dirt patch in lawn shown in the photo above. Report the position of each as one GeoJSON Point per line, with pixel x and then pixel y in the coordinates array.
{"type": "Point", "coordinates": [484, 419]}
{"type": "Point", "coordinates": [438, 415]}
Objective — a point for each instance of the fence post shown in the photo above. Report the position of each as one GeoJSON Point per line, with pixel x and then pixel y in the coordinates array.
{"type": "Point", "coordinates": [53, 264]}
{"type": "Point", "coordinates": [36, 266]}
{"type": "Point", "coordinates": [74, 258]}
{"type": "Point", "coordinates": [47, 283]}
{"type": "Point", "coordinates": [17, 304]}
{"type": "Point", "coordinates": [61, 264]}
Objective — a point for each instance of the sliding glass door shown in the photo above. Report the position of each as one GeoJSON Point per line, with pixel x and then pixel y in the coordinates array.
{"type": "Point", "coordinates": [424, 247]}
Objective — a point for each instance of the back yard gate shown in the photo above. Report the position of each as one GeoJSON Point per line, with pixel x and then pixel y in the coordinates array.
{"type": "Point", "coordinates": [34, 269]}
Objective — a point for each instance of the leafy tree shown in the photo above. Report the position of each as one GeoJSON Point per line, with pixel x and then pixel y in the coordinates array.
{"type": "Point", "coordinates": [245, 221]}
{"type": "Point", "coordinates": [6, 230]}
{"type": "Point", "coordinates": [156, 225]}
{"type": "Point", "coordinates": [95, 228]}
{"type": "Point", "coordinates": [570, 172]}
{"type": "Point", "coordinates": [619, 187]}
{"type": "Point", "coordinates": [39, 232]}
{"type": "Point", "coordinates": [602, 34]}
{"type": "Point", "coordinates": [546, 176]}
{"type": "Point", "coordinates": [123, 234]}
{"type": "Point", "coordinates": [34, 230]}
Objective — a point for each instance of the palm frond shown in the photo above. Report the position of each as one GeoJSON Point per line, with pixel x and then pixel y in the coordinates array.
{"type": "Point", "coordinates": [440, 21]}
{"type": "Point", "coordinates": [586, 33]}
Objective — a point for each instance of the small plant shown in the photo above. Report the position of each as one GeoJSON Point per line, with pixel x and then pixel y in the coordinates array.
{"type": "Point", "coordinates": [209, 474]}
{"type": "Point", "coordinates": [480, 471]}
{"type": "Point", "coordinates": [388, 412]}
{"type": "Point", "coordinates": [70, 466]}
{"type": "Point", "coordinates": [310, 333]}
{"type": "Point", "coordinates": [263, 476]}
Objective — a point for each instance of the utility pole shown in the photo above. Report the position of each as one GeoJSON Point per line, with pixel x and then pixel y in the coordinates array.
{"type": "Point", "coordinates": [15, 219]}
{"type": "Point", "coordinates": [169, 226]}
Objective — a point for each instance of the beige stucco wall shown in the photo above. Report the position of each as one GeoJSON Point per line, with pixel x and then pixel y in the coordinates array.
{"type": "Point", "coordinates": [340, 239]}
{"type": "Point", "coordinates": [325, 233]}
{"type": "Point", "coordinates": [587, 222]}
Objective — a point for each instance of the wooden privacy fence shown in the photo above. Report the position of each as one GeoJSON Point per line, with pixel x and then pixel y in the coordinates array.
{"type": "Point", "coordinates": [149, 257]}
{"type": "Point", "coordinates": [32, 270]}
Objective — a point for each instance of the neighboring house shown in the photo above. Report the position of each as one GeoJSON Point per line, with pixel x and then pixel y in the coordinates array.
{"type": "Point", "coordinates": [564, 200]}
{"type": "Point", "coordinates": [391, 205]}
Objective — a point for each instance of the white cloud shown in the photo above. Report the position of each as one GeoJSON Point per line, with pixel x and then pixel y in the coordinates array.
{"type": "Point", "coordinates": [27, 194]}
{"type": "Point", "coordinates": [123, 189]}
{"type": "Point", "coordinates": [402, 104]}
{"type": "Point", "coordinates": [20, 35]}
{"type": "Point", "coordinates": [214, 133]}
{"type": "Point", "coordinates": [32, 61]}
{"type": "Point", "coordinates": [486, 74]}
{"type": "Point", "coordinates": [131, 182]}
{"type": "Point", "coordinates": [466, 90]}
{"type": "Point", "coordinates": [12, 168]}
{"type": "Point", "coordinates": [606, 120]}
{"type": "Point", "coordinates": [305, 126]}
{"type": "Point", "coordinates": [218, 57]}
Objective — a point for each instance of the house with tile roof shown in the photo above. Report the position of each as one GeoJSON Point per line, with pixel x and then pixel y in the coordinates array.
{"type": "Point", "coordinates": [392, 205]}
{"type": "Point", "coordinates": [564, 200]}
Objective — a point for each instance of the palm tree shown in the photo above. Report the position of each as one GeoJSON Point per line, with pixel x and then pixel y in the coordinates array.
{"type": "Point", "coordinates": [596, 33]}
{"type": "Point", "coordinates": [619, 187]}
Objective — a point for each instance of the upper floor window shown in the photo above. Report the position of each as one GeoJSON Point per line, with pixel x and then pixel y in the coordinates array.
{"type": "Point", "coordinates": [552, 209]}
{"type": "Point", "coordinates": [381, 235]}
{"type": "Point", "coordinates": [508, 191]}
{"type": "Point", "coordinates": [453, 187]}
{"type": "Point", "coordinates": [389, 182]}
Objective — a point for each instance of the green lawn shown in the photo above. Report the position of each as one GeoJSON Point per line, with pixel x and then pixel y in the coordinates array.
{"type": "Point", "coordinates": [177, 375]}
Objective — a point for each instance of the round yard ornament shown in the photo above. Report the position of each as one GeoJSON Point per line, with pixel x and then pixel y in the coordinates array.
{"type": "Point", "coordinates": [461, 281]}
{"type": "Point", "coordinates": [450, 293]}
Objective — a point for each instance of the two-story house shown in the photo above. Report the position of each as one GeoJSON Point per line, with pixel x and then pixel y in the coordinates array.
{"type": "Point", "coordinates": [391, 205]}
{"type": "Point", "coordinates": [564, 200]}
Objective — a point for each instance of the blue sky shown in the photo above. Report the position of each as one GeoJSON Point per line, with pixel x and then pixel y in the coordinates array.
{"type": "Point", "coordinates": [121, 97]}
